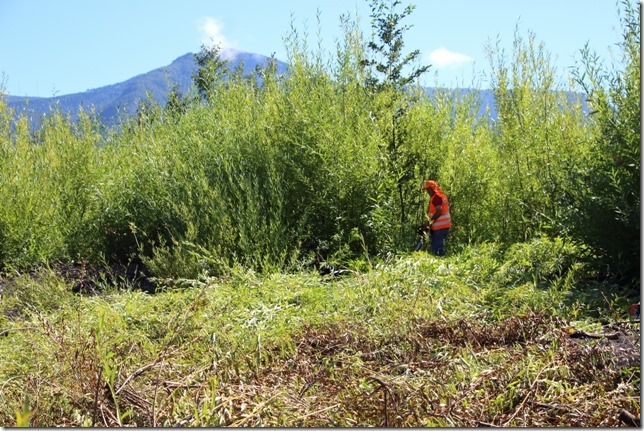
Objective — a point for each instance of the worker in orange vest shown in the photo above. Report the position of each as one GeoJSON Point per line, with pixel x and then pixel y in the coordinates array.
{"type": "Point", "coordinates": [439, 220]}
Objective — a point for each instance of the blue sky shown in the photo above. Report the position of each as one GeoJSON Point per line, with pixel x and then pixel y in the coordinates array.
{"type": "Point", "coordinates": [67, 46]}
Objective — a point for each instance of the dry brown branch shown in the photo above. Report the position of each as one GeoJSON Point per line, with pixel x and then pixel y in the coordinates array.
{"type": "Point", "coordinates": [135, 374]}
{"type": "Point", "coordinates": [111, 420]}
{"type": "Point", "coordinates": [584, 334]}
{"type": "Point", "coordinates": [98, 380]}
{"type": "Point", "coordinates": [412, 368]}
{"type": "Point", "coordinates": [487, 425]}
{"type": "Point", "coordinates": [386, 390]}
{"type": "Point", "coordinates": [629, 419]}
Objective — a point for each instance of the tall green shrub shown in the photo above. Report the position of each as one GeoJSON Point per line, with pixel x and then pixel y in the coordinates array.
{"type": "Point", "coordinates": [538, 136]}
{"type": "Point", "coordinates": [609, 215]}
{"type": "Point", "coordinates": [391, 78]}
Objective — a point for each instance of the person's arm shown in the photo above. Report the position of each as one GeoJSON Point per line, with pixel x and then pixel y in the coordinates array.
{"type": "Point", "coordinates": [438, 208]}
{"type": "Point", "coordinates": [437, 213]}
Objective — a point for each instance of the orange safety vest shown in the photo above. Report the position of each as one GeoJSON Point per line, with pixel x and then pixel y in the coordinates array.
{"type": "Point", "coordinates": [445, 219]}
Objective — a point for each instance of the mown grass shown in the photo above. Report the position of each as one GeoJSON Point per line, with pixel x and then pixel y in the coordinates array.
{"type": "Point", "coordinates": [478, 337]}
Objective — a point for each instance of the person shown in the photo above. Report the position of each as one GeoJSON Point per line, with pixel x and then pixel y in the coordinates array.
{"type": "Point", "coordinates": [438, 215]}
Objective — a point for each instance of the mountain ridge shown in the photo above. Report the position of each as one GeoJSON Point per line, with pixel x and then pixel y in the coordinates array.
{"type": "Point", "coordinates": [113, 102]}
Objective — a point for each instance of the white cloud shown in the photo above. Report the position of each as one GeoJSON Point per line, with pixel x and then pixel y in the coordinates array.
{"type": "Point", "coordinates": [211, 30]}
{"type": "Point", "coordinates": [443, 58]}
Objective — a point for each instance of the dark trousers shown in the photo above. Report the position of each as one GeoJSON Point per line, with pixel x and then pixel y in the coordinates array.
{"type": "Point", "coordinates": [438, 241]}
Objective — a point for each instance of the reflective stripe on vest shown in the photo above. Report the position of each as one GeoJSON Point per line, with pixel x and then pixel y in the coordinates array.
{"type": "Point", "coordinates": [445, 219]}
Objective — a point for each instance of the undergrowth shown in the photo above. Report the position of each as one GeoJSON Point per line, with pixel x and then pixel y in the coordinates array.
{"type": "Point", "coordinates": [479, 337]}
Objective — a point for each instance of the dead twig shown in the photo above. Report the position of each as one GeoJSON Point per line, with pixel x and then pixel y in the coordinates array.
{"type": "Point", "coordinates": [584, 334]}
{"type": "Point", "coordinates": [308, 386]}
{"type": "Point", "coordinates": [98, 381]}
{"type": "Point", "coordinates": [385, 389]}
{"type": "Point", "coordinates": [135, 374]}
{"type": "Point", "coordinates": [487, 425]}
{"type": "Point", "coordinates": [629, 419]}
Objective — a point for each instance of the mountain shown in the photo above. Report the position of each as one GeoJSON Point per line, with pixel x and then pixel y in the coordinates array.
{"type": "Point", "coordinates": [115, 101]}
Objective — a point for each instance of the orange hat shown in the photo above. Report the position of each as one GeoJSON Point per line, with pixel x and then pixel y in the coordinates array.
{"type": "Point", "coordinates": [430, 184]}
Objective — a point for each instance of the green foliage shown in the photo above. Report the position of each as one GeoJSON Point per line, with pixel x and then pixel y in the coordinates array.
{"type": "Point", "coordinates": [540, 262]}
{"type": "Point", "coordinates": [468, 168]}
{"type": "Point", "coordinates": [324, 163]}
{"type": "Point", "coordinates": [211, 73]}
{"type": "Point", "coordinates": [51, 191]}
{"type": "Point", "coordinates": [388, 44]}
{"type": "Point", "coordinates": [393, 93]}
{"type": "Point", "coordinates": [432, 329]}
{"type": "Point", "coordinates": [539, 137]}
{"type": "Point", "coordinates": [608, 204]}
{"type": "Point", "coordinates": [231, 202]}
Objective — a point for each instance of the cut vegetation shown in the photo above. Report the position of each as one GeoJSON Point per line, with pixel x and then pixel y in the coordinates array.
{"type": "Point", "coordinates": [242, 255]}
{"type": "Point", "coordinates": [418, 341]}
